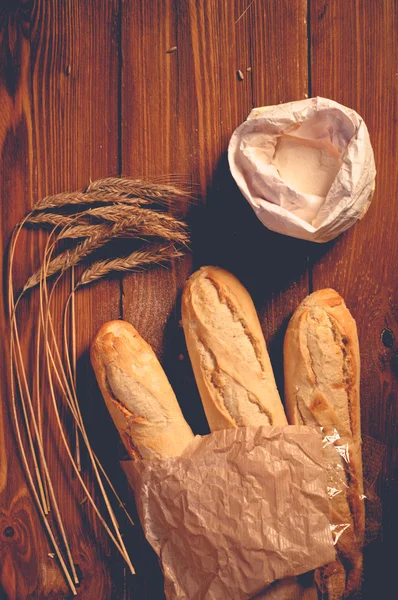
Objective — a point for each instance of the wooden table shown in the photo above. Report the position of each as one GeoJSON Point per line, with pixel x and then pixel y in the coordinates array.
{"type": "Point", "coordinates": [91, 89]}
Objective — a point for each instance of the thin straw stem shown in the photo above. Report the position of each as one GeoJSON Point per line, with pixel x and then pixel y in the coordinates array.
{"type": "Point", "coordinates": [49, 326]}
{"type": "Point", "coordinates": [46, 503]}
{"type": "Point", "coordinates": [79, 417]}
{"type": "Point", "coordinates": [41, 450]}
{"type": "Point", "coordinates": [73, 335]}
{"type": "Point", "coordinates": [12, 314]}
{"type": "Point", "coordinates": [126, 211]}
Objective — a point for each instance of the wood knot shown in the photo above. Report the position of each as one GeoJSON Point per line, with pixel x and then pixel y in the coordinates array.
{"type": "Point", "coordinates": [16, 532]}
{"type": "Point", "coordinates": [387, 337]}
{"type": "Point", "coordinates": [9, 532]}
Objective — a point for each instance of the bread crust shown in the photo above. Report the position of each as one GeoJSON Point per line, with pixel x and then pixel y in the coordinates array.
{"type": "Point", "coordinates": [137, 393]}
{"type": "Point", "coordinates": [322, 376]}
{"type": "Point", "coordinates": [228, 352]}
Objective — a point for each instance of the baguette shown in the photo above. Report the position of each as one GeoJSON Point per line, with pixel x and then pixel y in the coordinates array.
{"type": "Point", "coordinates": [228, 352]}
{"type": "Point", "coordinates": [322, 368]}
{"type": "Point", "coordinates": [138, 394]}
{"type": "Point", "coordinates": [233, 371]}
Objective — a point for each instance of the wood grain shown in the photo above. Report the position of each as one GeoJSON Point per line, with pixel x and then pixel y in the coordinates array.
{"type": "Point", "coordinates": [58, 129]}
{"type": "Point", "coordinates": [354, 54]}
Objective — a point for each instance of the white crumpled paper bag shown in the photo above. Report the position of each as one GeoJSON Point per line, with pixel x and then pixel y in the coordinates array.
{"type": "Point", "coordinates": [237, 510]}
{"type": "Point", "coordinates": [280, 205]}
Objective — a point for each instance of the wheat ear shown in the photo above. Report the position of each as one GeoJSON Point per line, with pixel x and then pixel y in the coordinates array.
{"type": "Point", "coordinates": [131, 191]}
{"type": "Point", "coordinates": [67, 259]}
{"type": "Point", "coordinates": [140, 258]}
{"type": "Point", "coordinates": [100, 237]}
{"type": "Point", "coordinates": [137, 188]}
{"type": "Point", "coordinates": [137, 220]}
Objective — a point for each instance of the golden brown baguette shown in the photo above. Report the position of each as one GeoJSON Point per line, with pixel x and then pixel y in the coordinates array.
{"type": "Point", "coordinates": [233, 370]}
{"type": "Point", "coordinates": [322, 368]}
{"type": "Point", "coordinates": [228, 352]}
{"type": "Point", "coordinates": [137, 392]}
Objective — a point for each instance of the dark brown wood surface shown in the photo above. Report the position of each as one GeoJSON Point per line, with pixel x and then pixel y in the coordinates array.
{"type": "Point", "coordinates": [89, 89]}
{"type": "Point", "coordinates": [353, 56]}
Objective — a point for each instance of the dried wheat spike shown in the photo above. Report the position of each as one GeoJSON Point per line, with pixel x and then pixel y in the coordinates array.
{"type": "Point", "coordinates": [131, 191]}
{"type": "Point", "coordinates": [101, 236]}
{"type": "Point", "coordinates": [114, 219]}
{"type": "Point", "coordinates": [137, 188]}
{"type": "Point", "coordinates": [154, 254]}
{"type": "Point", "coordinates": [67, 259]}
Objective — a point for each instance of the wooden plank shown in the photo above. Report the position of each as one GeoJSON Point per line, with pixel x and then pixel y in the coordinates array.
{"type": "Point", "coordinates": [275, 267]}
{"type": "Point", "coordinates": [179, 110]}
{"type": "Point", "coordinates": [177, 120]}
{"type": "Point", "coordinates": [354, 57]}
{"type": "Point", "coordinates": [169, 101]}
{"type": "Point", "coordinates": [58, 129]}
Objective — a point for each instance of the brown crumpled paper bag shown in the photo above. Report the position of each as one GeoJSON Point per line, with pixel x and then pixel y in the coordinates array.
{"type": "Point", "coordinates": [238, 510]}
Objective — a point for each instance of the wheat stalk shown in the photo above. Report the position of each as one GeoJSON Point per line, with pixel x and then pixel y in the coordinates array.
{"type": "Point", "coordinates": [69, 392]}
{"type": "Point", "coordinates": [123, 212]}
{"type": "Point", "coordinates": [144, 221]}
{"type": "Point", "coordinates": [82, 231]}
{"type": "Point", "coordinates": [85, 228]}
{"type": "Point", "coordinates": [67, 259]}
{"type": "Point", "coordinates": [140, 258]}
{"type": "Point", "coordinates": [137, 188]}
{"type": "Point", "coordinates": [131, 191]}
{"type": "Point", "coordinates": [50, 219]}
{"type": "Point", "coordinates": [17, 369]}
{"type": "Point", "coordinates": [156, 231]}
{"type": "Point", "coordinates": [113, 213]}
{"type": "Point", "coordinates": [143, 225]}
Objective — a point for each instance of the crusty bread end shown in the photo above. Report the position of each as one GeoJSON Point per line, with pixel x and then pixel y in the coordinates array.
{"type": "Point", "coordinates": [137, 392]}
